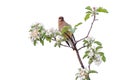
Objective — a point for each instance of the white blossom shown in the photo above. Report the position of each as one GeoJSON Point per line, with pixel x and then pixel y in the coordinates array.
{"type": "Point", "coordinates": [34, 34]}
{"type": "Point", "coordinates": [48, 32]}
{"type": "Point", "coordinates": [43, 31]}
{"type": "Point", "coordinates": [52, 30]}
{"type": "Point", "coordinates": [59, 38]}
{"type": "Point", "coordinates": [97, 59]}
{"type": "Point", "coordinates": [90, 38]}
{"type": "Point", "coordinates": [83, 73]}
{"type": "Point", "coordinates": [91, 54]}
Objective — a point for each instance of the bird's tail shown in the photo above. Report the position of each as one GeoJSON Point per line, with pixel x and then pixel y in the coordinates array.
{"type": "Point", "coordinates": [70, 40]}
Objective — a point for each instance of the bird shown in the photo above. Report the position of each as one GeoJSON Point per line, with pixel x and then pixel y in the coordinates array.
{"type": "Point", "coordinates": [68, 34]}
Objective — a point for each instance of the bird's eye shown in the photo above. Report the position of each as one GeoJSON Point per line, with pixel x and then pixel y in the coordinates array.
{"type": "Point", "coordinates": [60, 18]}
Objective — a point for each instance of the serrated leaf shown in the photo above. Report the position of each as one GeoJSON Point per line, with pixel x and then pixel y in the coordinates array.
{"type": "Point", "coordinates": [88, 8]}
{"type": "Point", "coordinates": [78, 24]}
{"type": "Point", "coordinates": [103, 58]}
{"type": "Point", "coordinates": [92, 71]}
{"type": "Point", "coordinates": [87, 16]}
{"type": "Point", "coordinates": [100, 9]}
{"type": "Point", "coordinates": [98, 43]}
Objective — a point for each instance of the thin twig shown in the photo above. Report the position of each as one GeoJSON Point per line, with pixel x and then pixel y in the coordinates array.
{"type": "Point", "coordinates": [81, 48]}
{"type": "Point", "coordinates": [94, 18]}
{"type": "Point", "coordinates": [89, 66]}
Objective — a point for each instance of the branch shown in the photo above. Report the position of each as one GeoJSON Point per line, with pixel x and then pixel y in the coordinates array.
{"type": "Point", "coordinates": [89, 66]}
{"type": "Point", "coordinates": [94, 18]}
{"type": "Point", "coordinates": [77, 51]}
{"type": "Point", "coordinates": [79, 58]}
{"type": "Point", "coordinates": [81, 48]}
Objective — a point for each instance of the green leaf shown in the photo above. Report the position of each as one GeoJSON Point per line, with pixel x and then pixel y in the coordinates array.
{"type": "Point", "coordinates": [88, 78]}
{"type": "Point", "coordinates": [87, 51]}
{"type": "Point", "coordinates": [88, 8]}
{"type": "Point", "coordinates": [78, 24]}
{"type": "Point", "coordinates": [89, 12]}
{"type": "Point", "coordinates": [90, 60]}
{"type": "Point", "coordinates": [30, 30]}
{"type": "Point", "coordinates": [85, 42]}
{"type": "Point", "coordinates": [42, 42]}
{"type": "Point", "coordinates": [92, 71]}
{"type": "Point", "coordinates": [32, 26]}
{"type": "Point", "coordinates": [98, 47]}
{"type": "Point", "coordinates": [86, 54]}
{"type": "Point", "coordinates": [100, 9]}
{"type": "Point", "coordinates": [48, 38]}
{"type": "Point", "coordinates": [35, 42]}
{"type": "Point", "coordinates": [93, 50]}
{"type": "Point", "coordinates": [76, 78]}
{"type": "Point", "coordinates": [98, 43]}
{"type": "Point", "coordinates": [55, 44]}
{"type": "Point", "coordinates": [59, 44]}
{"type": "Point", "coordinates": [103, 58]}
{"type": "Point", "coordinates": [101, 53]}
{"type": "Point", "coordinates": [87, 16]}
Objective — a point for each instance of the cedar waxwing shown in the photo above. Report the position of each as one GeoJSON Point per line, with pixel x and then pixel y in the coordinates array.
{"type": "Point", "coordinates": [68, 35]}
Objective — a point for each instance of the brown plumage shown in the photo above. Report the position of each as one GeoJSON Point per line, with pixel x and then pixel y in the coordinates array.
{"type": "Point", "coordinates": [62, 23]}
{"type": "Point", "coordinates": [68, 35]}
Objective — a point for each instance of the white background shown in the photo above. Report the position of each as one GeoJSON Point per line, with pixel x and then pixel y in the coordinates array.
{"type": "Point", "coordinates": [20, 60]}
